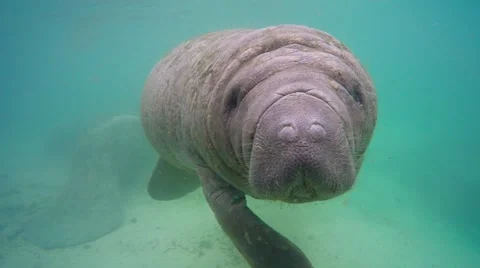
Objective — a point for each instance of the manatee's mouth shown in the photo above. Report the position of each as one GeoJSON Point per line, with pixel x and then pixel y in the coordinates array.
{"type": "Point", "coordinates": [304, 189]}
{"type": "Point", "coordinates": [305, 192]}
{"type": "Point", "coordinates": [301, 192]}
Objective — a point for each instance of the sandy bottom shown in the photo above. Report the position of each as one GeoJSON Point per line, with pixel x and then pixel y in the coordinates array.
{"type": "Point", "coordinates": [346, 232]}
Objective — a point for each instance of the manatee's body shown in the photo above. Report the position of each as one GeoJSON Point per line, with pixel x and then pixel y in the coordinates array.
{"type": "Point", "coordinates": [282, 113]}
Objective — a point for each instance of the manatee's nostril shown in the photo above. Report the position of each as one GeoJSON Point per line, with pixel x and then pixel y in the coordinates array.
{"type": "Point", "coordinates": [288, 133]}
{"type": "Point", "coordinates": [316, 132]}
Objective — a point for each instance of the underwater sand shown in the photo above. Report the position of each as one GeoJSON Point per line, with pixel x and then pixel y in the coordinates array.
{"type": "Point", "coordinates": [183, 233]}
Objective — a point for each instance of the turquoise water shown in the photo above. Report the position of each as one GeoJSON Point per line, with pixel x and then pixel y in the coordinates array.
{"type": "Point", "coordinates": [72, 72]}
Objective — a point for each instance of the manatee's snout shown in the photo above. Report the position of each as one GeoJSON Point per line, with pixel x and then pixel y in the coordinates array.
{"type": "Point", "coordinates": [300, 151]}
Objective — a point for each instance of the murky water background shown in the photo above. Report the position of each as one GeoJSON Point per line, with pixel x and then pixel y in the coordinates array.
{"type": "Point", "coordinates": [71, 75]}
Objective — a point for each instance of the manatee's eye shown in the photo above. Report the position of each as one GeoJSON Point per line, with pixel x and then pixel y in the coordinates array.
{"type": "Point", "coordinates": [355, 93]}
{"type": "Point", "coordinates": [233, 99]}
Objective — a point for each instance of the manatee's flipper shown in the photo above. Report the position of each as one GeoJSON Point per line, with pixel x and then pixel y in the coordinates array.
{"type": "Point", "coordinates": [259, 244]}
{"type": "Point", "coordinates": [169, 182]}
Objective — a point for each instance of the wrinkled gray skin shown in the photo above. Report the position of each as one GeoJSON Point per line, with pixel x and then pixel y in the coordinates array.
{"type": "Point", "coordinates": [280, 113]}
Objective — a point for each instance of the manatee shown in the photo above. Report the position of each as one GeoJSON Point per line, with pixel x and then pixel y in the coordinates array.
{"type": "Point", "coordinates": [284, 113]}
{"type": "Point", "coordinates": [104, 169]}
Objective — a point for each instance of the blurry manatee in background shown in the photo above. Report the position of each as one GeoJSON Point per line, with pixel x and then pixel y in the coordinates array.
{"type": "Point", "coordinates": [105, 170]}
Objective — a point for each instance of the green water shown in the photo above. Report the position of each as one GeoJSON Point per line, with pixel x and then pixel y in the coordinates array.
{"type": "Point", "coordinates": [69, 66]}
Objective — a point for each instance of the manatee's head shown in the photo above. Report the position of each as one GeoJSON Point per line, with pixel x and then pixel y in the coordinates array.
{"type": "Point", "coordinates": [300, 132]}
